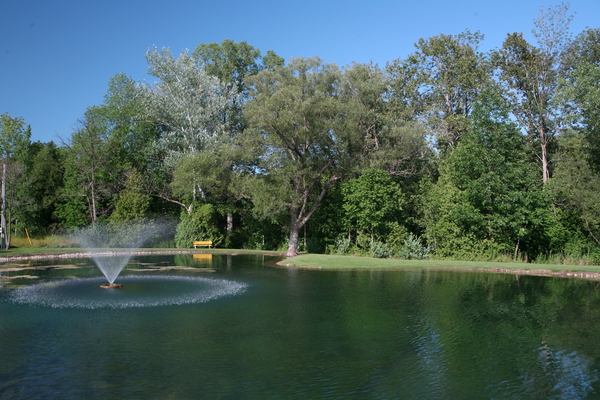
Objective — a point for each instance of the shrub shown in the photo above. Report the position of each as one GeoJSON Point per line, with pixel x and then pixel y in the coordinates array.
{"type": "Point", "coordinates": [413, 249]}
{"type": "Point", "coordinates": [314, 245]}
{"type": "Point", "coordinates": [200, 224]}
{"type": "Point", "coordinates": [395, 239]}
{"type": "Point", "coordinates": [380, 250]}
{"type": "Point", "coordinates": [342, 245]}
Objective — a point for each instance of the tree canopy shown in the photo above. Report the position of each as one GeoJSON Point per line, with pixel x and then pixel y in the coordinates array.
{"type": "Point", "coordinates": [447, 152]}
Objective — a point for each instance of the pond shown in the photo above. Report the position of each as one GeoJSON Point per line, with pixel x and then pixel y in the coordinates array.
{"type": "Point", "coordinates": [226, 326]}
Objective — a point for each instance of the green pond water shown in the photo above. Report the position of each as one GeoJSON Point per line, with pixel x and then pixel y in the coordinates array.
{"type": "Point", "coordinates": [237, 327]}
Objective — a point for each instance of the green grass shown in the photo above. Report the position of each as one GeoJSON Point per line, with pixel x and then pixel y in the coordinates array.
{"type": "Point", "coordinates": [331, 261]}
{"type": "Point", "coordinates": [34, 250]}
{"type": "Point", "coordinates": [336, 261]}
{"type": "Point", "coordinates": [21, 251]}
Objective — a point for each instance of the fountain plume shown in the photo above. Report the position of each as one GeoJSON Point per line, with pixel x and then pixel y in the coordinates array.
{"type": "Point", "coordinates": [99, 239]}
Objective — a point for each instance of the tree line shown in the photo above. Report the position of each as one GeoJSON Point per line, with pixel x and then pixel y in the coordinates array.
{"type": "Point", "coordinates": [450, 150]}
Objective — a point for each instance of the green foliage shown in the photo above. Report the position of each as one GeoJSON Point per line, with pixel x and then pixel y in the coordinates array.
{"type": "Point", "coordinates": [72, 211]}
{"type": "Point", "coordinates": [413, 249]}
{"type": "Point", "coordinates": [253, 231]}
{"type": "Point", "coordinates": [530, 75]}
{"type": "Point", "coordinates": [232, 62]}
{"type": "Point", "coordinates": [133, 204]}
{"type": "Point", "coordinates": [327, 223]}
{"type": "Point", "coordinates": [487, 191]}
{"type": "Point", "coordinates": [580, 90]}
{"type": "Point", "coordinates": [14, 136]}
{"type": "Point", "coordinates": [578, 185]}
{"type": "Point", "coordinates": [305, 134]}
{"type": "Point", "coordinates": [199, 224]}
{"type": "Point", "coordinates": [314, 245]}
{"type": "Point", "coordinates": [188, 104]}
{"type": "Point", "coordinates": [440, 82]}
{"type": "Point", "coordinates": [205, 174]}
{"type": "Point", "coordinates": [229, 61]}
{"type": "Point", "coordinates": [343, 245]}
{"type": "Point", "coordinates": [193, 110]}
{"type": "Point", "coordinates": [110, 140]}
{"type": "Point", "coordinates": [42, 184]}
{"type": "Point", "coordinates": [92, 179]}
{"type": "Point", "coordinates": [380, 250]}
{"type": "Point", "coordinates": [422, 155]}
{"type": "Point", "coordinates": [396, 236]}
{"type": "Point", "coordinates": [14, 141]}
{"type": "Point", "coordinates": [126, 123]}
{"type": "Point", "coordinates": [372, 202]}
{"type": "Point", "coordinates": [363, 241]}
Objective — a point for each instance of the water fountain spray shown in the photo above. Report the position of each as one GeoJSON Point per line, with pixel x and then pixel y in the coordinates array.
{"type": "Point", "coordinates": [112, 245]}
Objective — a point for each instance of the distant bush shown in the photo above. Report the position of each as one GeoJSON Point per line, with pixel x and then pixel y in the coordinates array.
{"type": "Point", "coordinates": [200, 224]}
{"type": "Point", "coordinates": [314, 245]}
{"type": "Point", "coordinates": [413, 249]}
{"type": "Point", "coordinates": [380, 250]}
{"type": "Point", "coordinates": [342, 245]}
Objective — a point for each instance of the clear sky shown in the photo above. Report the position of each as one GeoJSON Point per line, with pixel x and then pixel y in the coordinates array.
{"type": "Point", "coordinates": [56, 56]}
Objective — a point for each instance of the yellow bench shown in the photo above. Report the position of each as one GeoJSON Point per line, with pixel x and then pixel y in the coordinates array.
{"type": "Point", "coordinates": [201, 243]}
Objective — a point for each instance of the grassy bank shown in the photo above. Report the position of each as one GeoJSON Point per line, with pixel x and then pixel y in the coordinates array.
{"type": "Point", "coordinates": [336, 261]}
{"type": "Point", "coordinates": [40, 251]}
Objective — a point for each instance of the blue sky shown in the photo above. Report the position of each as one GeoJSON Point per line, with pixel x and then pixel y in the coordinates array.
{"type": "Point", "coordinates": [56, 56]}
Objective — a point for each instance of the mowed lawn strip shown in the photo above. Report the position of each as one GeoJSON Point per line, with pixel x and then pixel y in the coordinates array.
{"type": "Point", "coordinates": [353, 262]}
{"type": "Point", "coordinates": [75, 251]}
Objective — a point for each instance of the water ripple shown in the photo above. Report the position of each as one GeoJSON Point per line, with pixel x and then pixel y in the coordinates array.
{"type": "Point", "coordinates": [137, 291]}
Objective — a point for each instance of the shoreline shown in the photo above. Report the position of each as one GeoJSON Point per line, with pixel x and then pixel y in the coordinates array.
{"type": "Point", "coordinates": [108, 253]}
{"type": "Point", "coordinates": [591, 276]}
{"type": "Point", "coordinates": [588, 275]}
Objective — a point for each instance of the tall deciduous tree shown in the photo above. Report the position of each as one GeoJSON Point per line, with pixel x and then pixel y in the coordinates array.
{"type": "Point", "coordinates": [232, 63]}
{"type": "Point", "coordinates": [190, 106]}
{"type": "Point", "coordinates": [372, 203]}
{"type": "Point", "coordinates": [391, 143]}
{"type": "Point", "coordinates": [133, 203]}
{"type": "Point", "coordinates": [580, 90]}
{"type": "Point", "coordinates": [110, 141]}
{"type": "Point", "coordinates": [40, 191]}
{"type": "Point", "coordinates": [187, 102]}
{"type": "Point", "coordinates": [486, 192]}
{"type": "Point", "coordinates": [126, 125]}
{"type": "Point", "coordinates": [578, 185]}
{"type": "Point", "coordinates": [440, 82]}
{"type": "Point", "coordinates": [531, 76]}
{"type": "Point", "coordinates": [14, 141]}
{"type": "Point", "coordinates": [14, 136]}
{"type": "Point", "coordinates": [89, 181]}
{"type": "Point", "coordinates": [307, 133]}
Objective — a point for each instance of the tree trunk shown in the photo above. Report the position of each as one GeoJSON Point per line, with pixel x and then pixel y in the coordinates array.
{"type": "Point", "coordinates": [294, 234]}
{"type": "Point", "coordinates": [545, 170]}
{"type": "Point", "coordinates": [299, 215]}
{"type": "Point", "coordinates": [4, 244]}
{"type": "Point", "coordinates": [93, 210]}
{"type": "Point", "coordinates": [229, 222]}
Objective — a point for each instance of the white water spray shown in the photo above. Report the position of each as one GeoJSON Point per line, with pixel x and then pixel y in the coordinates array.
{"type": "Point", "coordinates": [123, 239]}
